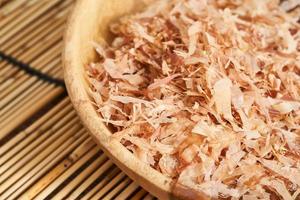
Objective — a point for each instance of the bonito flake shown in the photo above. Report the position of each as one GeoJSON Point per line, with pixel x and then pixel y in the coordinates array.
{"type": "Point", "coordinates": [207, 92]}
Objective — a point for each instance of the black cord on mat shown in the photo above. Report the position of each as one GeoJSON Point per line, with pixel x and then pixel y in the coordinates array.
{"type": "Point", "coordinates": [30, 70]}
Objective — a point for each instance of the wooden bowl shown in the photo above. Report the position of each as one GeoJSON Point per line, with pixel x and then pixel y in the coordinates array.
{"type": "Point", "coordinates": [89, 22]}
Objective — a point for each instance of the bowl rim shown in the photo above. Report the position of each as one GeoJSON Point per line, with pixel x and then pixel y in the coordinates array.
{"type": "Point", "coordinates": [149, 178]}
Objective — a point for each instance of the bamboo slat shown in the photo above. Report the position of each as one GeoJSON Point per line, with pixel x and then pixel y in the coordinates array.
{"type": "Point", "coordinates": [12, 10]}
{"type": "Point", "coordinates": [42, 167]}
{"type": "Point", "coordinates": [117, 189]}
{"type": "Point", "coordinates": [98, 172]}
{"type": "Point", "coordinates": [10, 158]}
{"type": "Point", "coordinates": [26, 96]}
{"type": "Point", "coordinates": [35, 130]}
{"type": "Point", "coordinates": [101, 183]}
{"type": "Point", "coordinates": [114, 182]}
{"type": "Point", "coordinates": [57, 182]}
{"type": "Point", "coordinates": [23, 47]}
{"type": "Point", "coordinates": [58, 170]}
{"type": "Point", "coordinates": [30, 156]}
{"type": "Point", "coordinates": [73, 184]}
{"type": "Point", "coordinates": [12, 103]}
{"type": "Point", "coordinates": [139, 195]}
{"type": "Point", "coordinates": [52, 158]}
{"type": "Point", "coordinates": [12, 122]}
{"type": "Point", "coordinates": [127, 191]}
{"type": "Point", "coordinates": [35, 31]}
{"type": "Point", "coordinates": [32, 13]}
{"type": "Point", "coordinates": [9, 100]}
{"type": "Point", "coordinates": [36, 50]}
{"type": "Point", "coordinates": [36, 91]}
{"type": "Point", "coordinates": [18, 47]}
{"type": "Point", "coordinates": [15, 5]}
{"type": "Point", "coordinates": [15, 87]}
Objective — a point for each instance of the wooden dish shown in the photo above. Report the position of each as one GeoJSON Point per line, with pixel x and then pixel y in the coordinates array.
{"type": "Point", "coordinates": [89, 22]}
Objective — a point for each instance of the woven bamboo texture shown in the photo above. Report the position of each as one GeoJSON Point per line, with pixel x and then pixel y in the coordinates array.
{"type": "Point", "coordinates": [45, 153]}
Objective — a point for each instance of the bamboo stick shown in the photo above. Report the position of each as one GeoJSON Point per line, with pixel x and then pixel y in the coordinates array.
{"type": "Point", "coordinates": [29, 53]}
{"type": "Point", "coordinates": [52, 37]}
{"type": "Point", "coordinates": [50, 138]}
{"type": "Point", "coordinates": [15, 154]}
{"type": "Point", "coordinates": [5, 6]}
{"type": "Point", "coordinates": [43, 166]}
{"type": "Point", "coordinates": [32, 108]}
{"type": "Point", "coordinates": [57, 182]}
{"type": "Point", "coordinates": [49, 61]}
{"type": "Point", "coordinates": [38, 172]}
{"type": "Point", "coordinates": [44, 61]}
{"type": "Point", "coordinates": [12, 182]}
{"type": "Point", "coordinates": [58, 13]}
{"type": "Point", "coordinates": [12, 22]}
{"type": "Point", "coordinates": [139, 195]}
{"type": "Point", "coordinates": [39, 96]}
{"type": "Point", "coordinates": [37, 26]}
{"type": "Point", "coordinates": [32, 13]}
{"type": "Point", "coordinates": [12, 15]}
{"type": "Point", "coordinates": [35, 36]}
{"type": "Point", "coordinates": [24, 96]}
{"type": "Point", "coordinates": [73, 184]}
{"type": "Point", "coordinates": [4, 68]}
{"type": "Point", "coordinates": [37, 40]}
{"type": "Point", "coordinates": [84, 185]}
{"type": "Point", "coordinates": [117, 189]}
{"type": "Point", "coordinates": [33, 131]}
{"type": "Point", "coordinates": [25, 82]}
{"type": "Point", "coordinates": [35, 31]}
{"type": "Point", "coordinates": [15, 73]}
{"type": "Point", "coordinates": [5, 117]}
{"type": "Point", "coordinates": [124, 194]}
{"type": "Point", "coordinates": [107, 178]}
{"type": "Point", "coordinates": [12, 6]}
{"type": "Point", "coordinates": [109, 186]}
{"type": "Point", "coordinates": [5, 82]}
{"type": "Point", "coordinates": [10, 71]}
{"type": "Point", "coordinates": [34, 52]}
{"type": "Point", "coordinates": [58, 170]}
{"type": "Point", "coordinates": [28, 100]}
{"type": "Point", "coordinates": [11, 103]}
{"type": "Point", "coordinates": [29, 112]}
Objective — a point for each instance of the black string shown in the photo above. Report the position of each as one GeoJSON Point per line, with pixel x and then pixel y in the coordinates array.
{"type": "Point", "coordinates": [30, 70]}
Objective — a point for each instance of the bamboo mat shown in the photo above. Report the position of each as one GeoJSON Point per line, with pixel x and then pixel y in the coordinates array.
{"type": "Point", "coordinates": [45, 151]}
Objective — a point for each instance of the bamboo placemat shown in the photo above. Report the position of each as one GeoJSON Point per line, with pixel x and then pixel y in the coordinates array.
{"type": "Point", "coordinates": [45, 153]}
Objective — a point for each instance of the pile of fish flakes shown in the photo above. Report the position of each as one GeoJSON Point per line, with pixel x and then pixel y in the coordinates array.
{"type": "Point", "coordinates": [207, 93]}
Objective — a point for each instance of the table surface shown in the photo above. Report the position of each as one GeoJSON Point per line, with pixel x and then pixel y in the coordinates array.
{"type": "Point", "coordinates": [45, 152]}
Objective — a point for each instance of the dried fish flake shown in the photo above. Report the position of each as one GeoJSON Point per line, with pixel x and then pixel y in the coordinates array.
{"type": "Point", "coordinates": [207, 93]}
